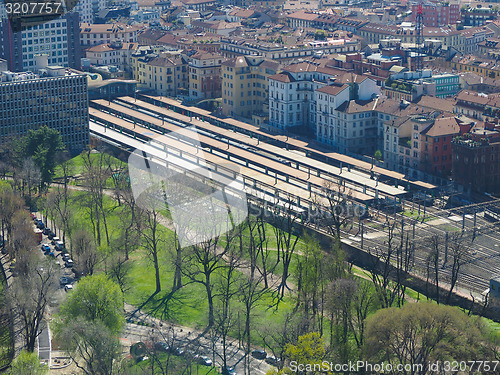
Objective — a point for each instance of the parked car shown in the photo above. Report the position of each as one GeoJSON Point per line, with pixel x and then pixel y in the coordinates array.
{"type": "Point", "coordinates": [259, 354]}
{"type": "Point", "coordinates": [33, 215]}
{"type": "Point", "coordinates": [63, 280]}
{"type": "Point", "coordinates": [228, 371]}
{"type": "Point", "coordinates": [68, 263]}
{"type": "Point", "coordinates": [161, 347]}
{"type": "Point", "coordinates": [50, 254]}
{"type": "Point", "coordinates": [40, 224]}
{"type": "Point", "coordinates": [51, 235]}
{"type": "Point", "coordinates": [273, 361]}
{"type": "Point", "coordinates": [177, 351]}
{"type": "Point", "coordinates": [59, 246]}
{"type": "Point", "coordinates": [65, 256]}
{"type": "Point", "coordinates": [54, 240]}
{"type": "Point", "coordinates": [45, 248]}
{"type": "Point", "coordinates": [46, 230]}
{"type": "Point", "coordinates": [68, 287]}
{"type": "Point", "coordinates": [204, 360]}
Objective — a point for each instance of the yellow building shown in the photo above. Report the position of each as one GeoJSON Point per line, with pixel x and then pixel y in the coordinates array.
{"type": "Point", "coordinates": [166, 74]}
{"type": "Point", "coordinates": [245, 86]}
{"type": "Point", "coordinates": [472, 64]}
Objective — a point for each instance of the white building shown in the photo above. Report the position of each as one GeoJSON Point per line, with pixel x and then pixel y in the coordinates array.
{"type": "Point", "coordinates": [95, 34]}
{"type": "Point", "coordinates": [84, 9]}
{"type": "Point", "coordinates": [119, 54]}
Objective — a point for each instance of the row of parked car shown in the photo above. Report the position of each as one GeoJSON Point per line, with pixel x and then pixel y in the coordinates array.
{"type": "Point", "coordinates": [188, 354]}
{"type": "Point", "coordinates": [56, 243]}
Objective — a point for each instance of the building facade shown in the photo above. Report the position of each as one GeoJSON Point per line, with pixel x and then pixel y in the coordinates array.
{"type": "Point", "coordinates": [28, 102]}
{"type": "Point", "coordinates": [57, 40]}
{"type": "Point", "coordinates": [205, 76]}
{"type": "Point", "coordinates": [95, 34]}
{"type": "Point", "coordinates": [166, 74]}
{"type": "Point", "coordinates": [437, 14]}
{"type": "Point", "coordinates": [245, 85]}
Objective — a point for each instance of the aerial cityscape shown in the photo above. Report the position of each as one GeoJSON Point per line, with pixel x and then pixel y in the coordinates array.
{"type": "Point", "coordinates": [249, 187]}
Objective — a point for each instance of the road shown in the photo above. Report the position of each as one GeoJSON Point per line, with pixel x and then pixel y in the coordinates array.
{"type": "Point", "coordinates": [187, 338]}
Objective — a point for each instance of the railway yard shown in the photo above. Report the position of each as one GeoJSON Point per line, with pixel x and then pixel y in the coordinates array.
{"type": "Point", "coordinates": [282, 170]}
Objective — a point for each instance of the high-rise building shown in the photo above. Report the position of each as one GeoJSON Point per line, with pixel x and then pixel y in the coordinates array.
{"type": "Point", "coordinates": [58, 100]}
{"type": "Point", "coordinates": [55, 42]}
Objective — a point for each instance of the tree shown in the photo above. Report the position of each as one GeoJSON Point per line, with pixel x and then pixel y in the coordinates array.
{"type": "Point", "coordinates": [84, 252]}
{"type": "Point", "coordinates": [201, 262]}
{"type": "Point", "coordinates": [419, 333]}
{"type": "Point", "coordinates": [95, 298]}
{"type": "Point", "coordinates": [459, 252]}
{"type": "Point", "coordinates": [29, 296]}
{"type": "Point", "coordinates": [43, 146]}
{"type": "Point", "coordinates": [96, 171]}
{"type": "Point", "coordinates": [31, 179]}
{"type": "Point", "coordinates": [378, 155]}
{"type": "Point", "coordinates": [311, 279]}
{"type": "Point", "coordinates": [310, 349]}
{"type": "Point", "coordinates": [153, 238]}
{"type": "Point", "coordinates": [27, 363]}
{"type": "Point", "coordinates": [92, 346]}
{"type": "Point", "coordinates": [287, 237]}
{"type": "Point", "coordinates": [332, 213]}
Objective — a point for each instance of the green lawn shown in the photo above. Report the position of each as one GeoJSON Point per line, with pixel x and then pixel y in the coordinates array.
{"type": "Point", "coordinates": [177, 366]}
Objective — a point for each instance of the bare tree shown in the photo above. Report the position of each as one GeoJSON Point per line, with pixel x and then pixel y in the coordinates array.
{"type": "Point", "coordinates": [29, 297]}
{"type": "Point", "coordinates": [433, 261]}
{"type": "Point", "coordinates": [382, 269]}
{"type": "Point", "coordinates": [331, 206]}
{"type": "Point", "coordinates": [96, 171]}
{"type": "Point", "coordinates": [226, 288]}
{"type": "Point", "coordinates": [460, 249]}
{"type": "Point", "coordinates": [22, 242]}
{"type": "Point", "coordinates": [118, 270]}
{"type": "Point", "coordinates": [201, 262]}
{"type": "Point", "coordinates": [152, 238]}
{"type": "Point", "coordinates": [84, 252]}
{"type": "Point", "coordinates": [253, 287]}
{"type": "Point", "coordinates": [287, 237]}
{"type": "Point", "coordinates": [31, 178]}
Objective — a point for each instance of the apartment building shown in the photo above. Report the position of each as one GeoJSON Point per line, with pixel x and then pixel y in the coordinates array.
{"type": "Point", "coordinates": [205, 76]}
{"type": "Point", "coordinates": [437, 14]}
{"type": "Point", "coordinates": [294, 96]}
{"type": "Point", "coordinates": [55, 42]}
{"type": "Point", "coordinates": [476, 160]}
{"type": "Point", "coordinates": [470, 63]}
{"type": "Point", "coordinates": [353, 126]}
{"type": "Point", "coordinates": [245, 85]}
{"type": "Point", "coordinates": [484, 107]}
{"type": "Point", "coordinates": [236, 46]}
{"type": "Point", "coordinates": [435, 145]}
{"type": "Point", "coordinates": [117, 53]}
{"type": "Point", "coordinates": [165, 73]}
{"type": "Point", "coordinates": [27, 101]}
{"type": "Point", "coordinates": [95, 34]}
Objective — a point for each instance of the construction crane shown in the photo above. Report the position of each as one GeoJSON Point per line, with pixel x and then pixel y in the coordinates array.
{"type": "Point", "coordinates": [419, 37]}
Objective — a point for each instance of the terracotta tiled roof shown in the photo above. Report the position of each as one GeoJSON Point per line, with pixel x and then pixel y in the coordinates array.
{"type": "Point", "coordinates": [332, 89]}
{"type": "Point", "coordinates": [443, 126]}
